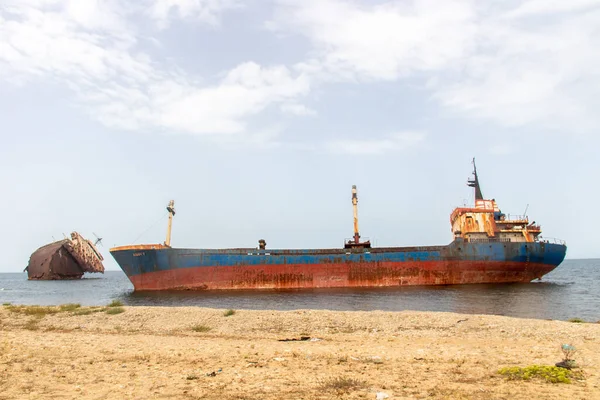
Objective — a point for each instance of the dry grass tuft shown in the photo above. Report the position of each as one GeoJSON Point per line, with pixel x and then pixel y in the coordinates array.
{"type": "Point", "coordinates": [115, 303]}
{"type": "Point", "coordinates": [374, 360]}
{"type": "Point", "coordinates": [142, 357]}
{"type": "Point", "coordinates": [70, 307]}
{"type": "Point", "coordinates": [42, 311]}
{"type": "Point", "coordinates": [88, 311]}
{"type": "Point", "coordinates": [37, 311]}
{"type": "Point", "coordinates": [341, 384]}
{"type": "Point", "coordinates": [229, 313]}
{"type": "Point", "coordinates": [201, 328]}
{"type": "Point", "coordinates": [115, 310]}
{"type": "Point", "coordinates": [82, 312]}
{"type": "Point", "coordinates": [32, 324]}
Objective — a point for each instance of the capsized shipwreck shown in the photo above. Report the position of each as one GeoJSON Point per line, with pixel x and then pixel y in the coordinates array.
{"type": "Point", "coordinates": [488, 246]}
{"type": "Point", "coordinates": [65, 259]}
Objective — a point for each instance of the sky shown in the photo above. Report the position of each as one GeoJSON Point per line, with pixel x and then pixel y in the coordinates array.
{"type": "Point", "coordinates": [257, 117]}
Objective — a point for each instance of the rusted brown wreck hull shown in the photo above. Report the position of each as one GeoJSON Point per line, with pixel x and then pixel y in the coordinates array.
{"type": "Point", "coordinates": [65, 259]}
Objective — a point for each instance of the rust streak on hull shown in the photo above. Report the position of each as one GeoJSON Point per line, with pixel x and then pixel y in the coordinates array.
{"type": "Point", "coordinates": [339, 275]}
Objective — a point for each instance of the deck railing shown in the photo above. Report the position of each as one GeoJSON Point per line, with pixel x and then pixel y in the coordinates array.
{"type": "Point", "coordinates": [508, 240]}
{"type": "Point", "coordinates": [552, 240]}
{"type": "Point", "coordinates": [511, 217]}
{"type": "Point", "coordinates": [489, 240]}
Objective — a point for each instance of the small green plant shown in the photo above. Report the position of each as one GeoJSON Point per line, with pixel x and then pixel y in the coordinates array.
{"type": "Point", "coordinates": [70, 307]}
{"type": "Point", "coordinates": [543, 372]}
{"type": "Point", "coordinates": [229, 313]}
{"type": "Point", "coordinates": [568, 362]}
{"type": "Point", "coordinates": [6, 304]}
{"type": "Point", "coordinates": [115, 303]}
{"type": "Point", "coordinates": [577, 320]}
{"type": "Point", "coordinates": [201, 328]}
{"type": "Point", "coordinates": [568, 351]}
{"type": "Point", "coordinates": [115, 310]}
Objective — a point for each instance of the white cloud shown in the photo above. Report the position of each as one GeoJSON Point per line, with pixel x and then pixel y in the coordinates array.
{"type": "Point", "coordinates": [395, 142]}
{"type": "Point", "coordinates": [246, 90]}
{"type": "Point", "coordinates": [482, 60]}
{"type": "Point", "coordinates": [207, 11]}
{"type": "Point", "coordinates": [179, 106]}
{"type": "Point", "coordinates": [531, 73]}
{"type": "Point", "coordinates": [538, 7]}
{"type": "Point", "coordinates": [297, 109]}
{"type": "Point", "coordinates": [123, 87]}
{"type": "Point", "coordinates": [383, 41]}
{"type": "Point", "coordinates": [498, 61]}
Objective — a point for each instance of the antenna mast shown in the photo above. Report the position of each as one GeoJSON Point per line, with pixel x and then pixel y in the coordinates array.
{"type": "Point", "coordinates": [171, 210]}
{"type": "Point", "coordinates": [474, 183]}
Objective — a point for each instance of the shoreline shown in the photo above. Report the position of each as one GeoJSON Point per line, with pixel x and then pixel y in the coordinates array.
{"type": "Point", "coordinates": [167, 352]}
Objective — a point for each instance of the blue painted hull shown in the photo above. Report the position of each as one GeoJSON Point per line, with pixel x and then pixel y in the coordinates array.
{"type": "Point", "coordinates": [157, 267]}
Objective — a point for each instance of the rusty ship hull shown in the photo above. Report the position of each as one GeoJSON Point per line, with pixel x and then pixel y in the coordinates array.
{"type": "Point", "coordinates": [64, 260]}
{"type": "Point", "coordinates": [488, 247]}
{"type": "Point", "coordinates": [158, 267]}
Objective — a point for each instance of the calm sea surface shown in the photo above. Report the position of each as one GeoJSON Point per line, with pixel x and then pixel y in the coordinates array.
{"type": "Point", "coordinates": [572, 290]}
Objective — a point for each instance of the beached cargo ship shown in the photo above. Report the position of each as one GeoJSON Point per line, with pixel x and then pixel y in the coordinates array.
{"type": "Point", "coordinates": [488, 247]}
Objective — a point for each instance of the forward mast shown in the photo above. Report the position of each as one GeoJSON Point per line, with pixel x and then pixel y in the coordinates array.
{"type": "Point", "coordinates": [171, 210]}
{"type": "Point", "coordinates": [355, 241]}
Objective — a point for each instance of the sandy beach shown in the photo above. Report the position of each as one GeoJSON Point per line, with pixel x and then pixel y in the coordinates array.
{"type": "Point", "coordinates": [198, 353]}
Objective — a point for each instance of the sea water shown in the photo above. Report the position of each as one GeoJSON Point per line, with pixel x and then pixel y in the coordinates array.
{"type": "Point", "coordinates": [570, 291]}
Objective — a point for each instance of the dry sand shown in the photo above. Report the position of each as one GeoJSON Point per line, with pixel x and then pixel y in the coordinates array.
{"type": "Point", "coordinates": [154, 353]}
